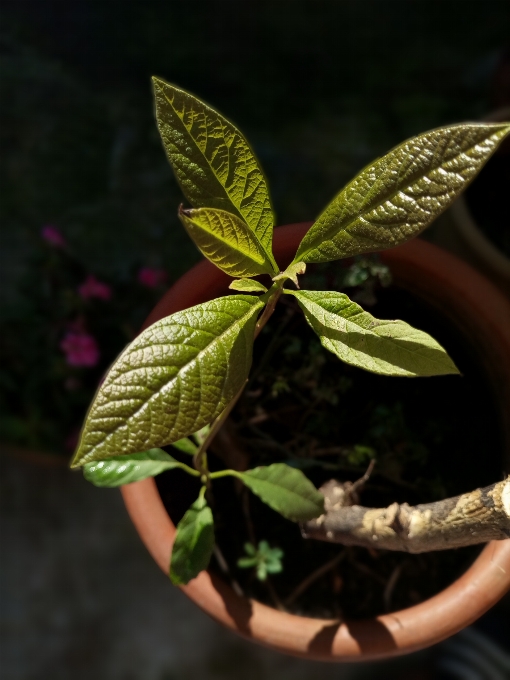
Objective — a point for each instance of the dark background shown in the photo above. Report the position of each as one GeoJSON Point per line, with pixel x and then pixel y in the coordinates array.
{"type": "Point", "coordinates": [319, 88]}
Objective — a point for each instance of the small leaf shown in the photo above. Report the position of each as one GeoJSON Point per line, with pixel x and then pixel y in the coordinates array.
{"type": "Point", "coordinates": [380, 346]}
{"type": "Point", "coordinates": [292, 272]}
{"type": "Point", "coordinates": [194, 543]}
{"type": "Point", "coordinates": [174, 378]}
{"type": "Point", "coordinates": [400, 194]}
{"type": "Point", "coordinates": [132, 468]}
{"type": "Point", "coordinates": [226, 241]}
{"type": "Point", "coordinates": [248, 286]}
{"type": "Point", "coordinates": [212, 161]}
{"type": "Point", "coordinates": [261, 571]}
{"type": "Point", "coordinates": [250, 549]}
{"type": "Point", "coordinates": [186, 446]}
{"type": "Point", "coordinates": [286, 490]}
{"type": "Point", "coordinates": [201, 435]}
{"type": "Point", "coordinates": [246, 562]}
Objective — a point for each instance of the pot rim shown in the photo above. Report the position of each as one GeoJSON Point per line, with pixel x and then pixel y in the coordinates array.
{"type": "Point", "coordinates": [479, 307]}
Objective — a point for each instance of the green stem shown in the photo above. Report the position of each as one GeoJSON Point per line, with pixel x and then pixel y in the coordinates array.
{"type": "Point", "coordinates": [224, 473]}
{"type": "Point", "coordinates": [273, 296]}
{"type": "Point", "coordinates": [189, 470]}
{"type": "Point", "coordinates": [202, 491]}
{"type": "Point", "coordinates": [199, 460]}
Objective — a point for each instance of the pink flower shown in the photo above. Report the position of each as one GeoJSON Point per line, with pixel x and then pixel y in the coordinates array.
{"type": "Point", "coordinates": [91, 288]}
{"type": "Point", "coordinates": [80, 349]}
{"type": "Point", "coordinates": [53, 236]}
{"type": "Point", "coordinates": [151, 278]}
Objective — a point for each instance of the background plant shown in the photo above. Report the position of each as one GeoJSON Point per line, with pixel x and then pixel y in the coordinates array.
{"type": "Point", "coordinates": [188, 370]}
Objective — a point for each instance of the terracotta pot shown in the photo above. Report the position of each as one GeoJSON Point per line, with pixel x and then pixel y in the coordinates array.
{"type": "Point", "coordinates": [480, 309]}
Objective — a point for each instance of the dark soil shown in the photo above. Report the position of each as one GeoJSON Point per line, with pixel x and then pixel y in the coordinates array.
{"type": "Point", "coordinates": [431, 438]}
{"type": "Point", "coordinates": [489, 202]}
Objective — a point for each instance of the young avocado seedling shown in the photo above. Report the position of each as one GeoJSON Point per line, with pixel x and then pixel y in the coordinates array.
{"type": "Point", "coordinates": [177, 382]}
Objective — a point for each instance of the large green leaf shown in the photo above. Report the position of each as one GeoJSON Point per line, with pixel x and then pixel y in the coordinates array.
{"type": "Point", "coordinates": [379, 346]}
{"type": "Point", "coordinates": [227, 241]}
{"type": "Point", "coordinates": [131, 468]}
{"type": "Point", "coordinates": [397, 196]}
{"type": "Point", "coordinates": [194, 543]}
{"type": "Point", "coordinates": [212, 161]}
{"type": "Point", "coordinates": [176, 377]}
{"type": "Point", "coordinates": [286, 490]}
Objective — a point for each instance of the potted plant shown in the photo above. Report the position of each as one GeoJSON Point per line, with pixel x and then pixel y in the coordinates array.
{"type": "Point", "coordinates": [178, 382]}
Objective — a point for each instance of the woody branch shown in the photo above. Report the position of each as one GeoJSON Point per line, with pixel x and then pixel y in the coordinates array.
{"type": "Point", "coordinates": [476, 517]}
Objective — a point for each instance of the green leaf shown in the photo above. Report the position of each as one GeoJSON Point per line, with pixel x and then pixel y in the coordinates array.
{"type": "Point", "coordinates": [226, 241]}
{"type": "Point", "coordinates": [194, 543]}
{"type": "Point", "coordinates": [212, 161]}
{"type": "Point", "coordinates": [247, 562]}
{"type": "Point", "coordinates": [286, 490]}
{"type": "Point", "coordinates": [132, 468]}
{"type": "Point", "coordinates": [174, 378]}
{"type": "Point", "coordinates": [186, 446]}
{"type": "Point", "coordinates": [400, 194]}
{"type": "Point", "coordinates": [250, 549]}
{"type": "Point", "coordinates": [248, 286]}
{"type": "Point", "coordinates": [379, 346]}
{"type": "Point", "coordinates": [292, 272]}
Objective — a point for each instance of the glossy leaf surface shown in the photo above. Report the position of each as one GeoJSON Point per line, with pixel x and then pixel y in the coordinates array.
{"type": "Point", "coordinates": [247, 286]}
{"type": "Point", "coordinates": [177, 376]}
{"type": "Point", "coordinates": [380, 346]}
{"type": "Point", "coordinates": [194, 543]}
{"type": "Point", "coordinates": [226, 241]}
{"type": "Point", "coordinates": [131, 468]}
{"type": "Point", "coordinates": [400, 194]}
{"type": "Point", "coordinates": [286, 490]}
{"type": "Point", "coordinates": [213, 163]}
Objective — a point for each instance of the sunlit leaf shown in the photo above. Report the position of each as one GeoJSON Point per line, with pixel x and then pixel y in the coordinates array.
{"type": "Point", "coordinates": [380, 346]}
{"type": "Point", "coordinates": [247, 286]}
{"type": "Point", "coordinates": [400, 194]}
{"type": "Point", "coordinates": [212, 161]}
{"type": "Point", "coordinates": [227, 241]}
{"type": "Point", "coordinates": [173, 379]}
{"type": "Point", "coordinates": [131, 468]}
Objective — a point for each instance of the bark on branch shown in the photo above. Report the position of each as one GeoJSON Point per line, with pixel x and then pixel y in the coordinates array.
{"type": "Point", "coordinates": [476, 517]}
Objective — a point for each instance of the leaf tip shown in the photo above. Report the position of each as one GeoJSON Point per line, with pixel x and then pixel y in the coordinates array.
{"type": "Point", "coordinates": [183, 211]}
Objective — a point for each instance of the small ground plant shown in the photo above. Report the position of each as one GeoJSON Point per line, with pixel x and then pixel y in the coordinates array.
{"type": "Point", "coordinates": [177, 383]}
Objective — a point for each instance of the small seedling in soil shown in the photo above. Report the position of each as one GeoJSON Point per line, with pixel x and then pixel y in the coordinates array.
{"type": "Point", "coordinates": [187, 371]}
{"type": "Point", "coordinates": [264, 559]}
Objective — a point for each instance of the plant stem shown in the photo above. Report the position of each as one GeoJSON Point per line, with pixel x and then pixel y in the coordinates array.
{"type": "Point", "coordinates": [224, 473]}
{"type": "Point", "coordinates": [274, 294]}
{"type": "Point", "coordinates": [199, 458]}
